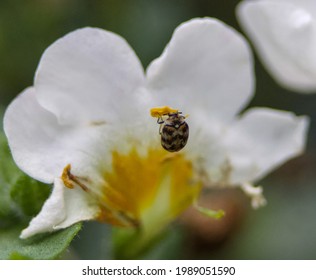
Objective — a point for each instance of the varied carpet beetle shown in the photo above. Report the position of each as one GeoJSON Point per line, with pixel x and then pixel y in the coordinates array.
{"type": "Point", "coordinates": [174, 132]}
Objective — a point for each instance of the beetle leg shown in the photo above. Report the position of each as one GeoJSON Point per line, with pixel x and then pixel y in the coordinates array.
{"type": "Point", "coordinates": [160, 128]}
{"type": "Point", "coordinates": [160, 120]}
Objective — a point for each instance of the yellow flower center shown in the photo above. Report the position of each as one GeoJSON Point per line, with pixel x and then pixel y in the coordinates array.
{"type": "Point", "coordinates": [153, 188]}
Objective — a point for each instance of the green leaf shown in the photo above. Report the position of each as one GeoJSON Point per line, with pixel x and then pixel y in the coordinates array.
{"type": "Point", "coordinates": [9, 173]}
{"type": "Point", "coordinates": [8, 169]}
{"type": "Point", "coordinates": [17, 256]}
{"type": "Point", "coordinates": [29, 195]}
{"type": "Point", "coordinates": [43, 246]}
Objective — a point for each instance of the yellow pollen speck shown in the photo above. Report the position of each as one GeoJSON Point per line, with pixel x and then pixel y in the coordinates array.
{"type": "Point", "coordinates": [157, 112]}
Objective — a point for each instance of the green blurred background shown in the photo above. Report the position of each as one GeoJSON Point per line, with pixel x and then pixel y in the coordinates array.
{"type": "Point", "coordinates": [284, 229]}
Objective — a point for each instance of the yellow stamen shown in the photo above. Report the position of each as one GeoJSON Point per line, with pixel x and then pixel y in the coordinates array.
{"type": "Point", "coordinates": [65, 177]}
{"type": "Point", "coordinates": [158, 112]}
{"type": "Point", "coordinates": [70, 180]}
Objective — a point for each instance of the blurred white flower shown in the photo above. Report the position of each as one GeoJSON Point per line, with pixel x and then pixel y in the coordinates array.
{"type": "Point", "coordinates": [85, 126]}
{"type": "Point", "coordinates": [284, 35]}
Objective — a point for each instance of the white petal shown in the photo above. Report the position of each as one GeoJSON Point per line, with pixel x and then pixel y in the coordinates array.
{"type": "Point", "coordinates": [90, 74]}
{"type": "Point", "coordinates": [42, 148]}
{"type": "Point", "coordinates": [307, 5]}
{"type": "Point", "coordinates": [207, 66]}
{"type": "Point", "coordinates": [63, 208]}
{"type": "Point", "coordinates": [206, 147]}
{"type": "Point", "coordinates": [31, 130]}
{"type": "Point", "coordinates": [79, 206]}
{"type": "Point", "coordinates": [285, 37]}
{"type": "Point", "coordinates": [261, 140]}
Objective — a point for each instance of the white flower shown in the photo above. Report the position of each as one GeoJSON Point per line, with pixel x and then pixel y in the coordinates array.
{"type": "Point", "coordinates": [284, 34]}
{"type": "Point", "coordinates": [85, 126]}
